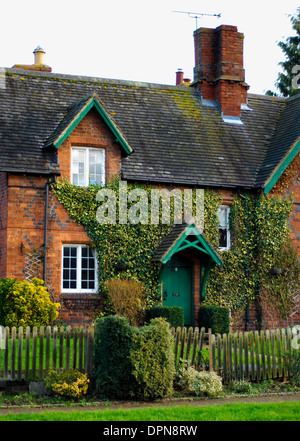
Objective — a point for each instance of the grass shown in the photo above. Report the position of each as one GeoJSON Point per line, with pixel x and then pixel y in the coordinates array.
{"type": "Point", "coordinates": [283, 411]}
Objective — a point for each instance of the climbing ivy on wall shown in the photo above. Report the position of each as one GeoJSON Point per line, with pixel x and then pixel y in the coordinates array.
{"type": "Point", "coordinates": [259, 234]}
{"type": "Point", "coordinates": [260, 252]}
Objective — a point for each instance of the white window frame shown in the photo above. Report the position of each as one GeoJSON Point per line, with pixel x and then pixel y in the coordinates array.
{"type": "Point", "coordinates": [78, 270]}
{"type": "Point", "coordinates": [227, 209]}
{"type": "Point", "coordinates": [86, 162]}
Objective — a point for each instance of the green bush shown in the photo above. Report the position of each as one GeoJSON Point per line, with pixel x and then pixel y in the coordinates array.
{"type": "Point", "coordinates": [214, 317]}
{"type": "Point", "coordinates": [69, 384]}
{"type": "Point", "coordinates": [24, 303]}
{"type": "Point", "coordinates": [130, 362]}
{"type": "Point", "coordinates": [113, 365]}
{"type": "Point", "coordinates": [172, 314]}
{"type": "Point", "coordinates": [153, 360]}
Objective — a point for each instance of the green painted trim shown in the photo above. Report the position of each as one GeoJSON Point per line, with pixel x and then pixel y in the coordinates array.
{"type": "Point", "coordinates": [282, 167]}
{"type": "Point", "coordinates": [181, 244]}
{"type": "Point", "coordinates": [94, 103]}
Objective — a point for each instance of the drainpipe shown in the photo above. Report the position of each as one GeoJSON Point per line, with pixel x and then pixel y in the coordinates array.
{"type": "Point", "coordinates": [46, 226]}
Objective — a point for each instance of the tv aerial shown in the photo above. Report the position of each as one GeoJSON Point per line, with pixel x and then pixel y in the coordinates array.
{"type": "Point", "coordinates": [197, 15]}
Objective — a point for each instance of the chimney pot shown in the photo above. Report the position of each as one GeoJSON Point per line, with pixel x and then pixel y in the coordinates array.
{"type": "Point", "coordinates": [179, 77]}
{"type": "Point", "coordinates": [39, 56]}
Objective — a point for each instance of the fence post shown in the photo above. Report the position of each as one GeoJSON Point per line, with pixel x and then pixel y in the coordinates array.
{"type": "Point", "coordinates": [34, 345]}
{"type": "Point", "coordinates": [27, 352]}
{"type": "Point", "coordinates": [13, 353]}
{"type": "Point", "coordinates": [195, 341]}
{"type": "Point", "coordinates": [20, 351]}
{"type": "Point", "coordinates": [41, 352]}
{"type": "Point", "coordinates": [177, 338]}
{"type": "Point", "coordinates": [89, 352]}
{"type": "Point", "coordinates": [48, 340]}
{"type": "Point", "coordinates": [210, 350]}
{"type": "Point", "coordinates": [6, 351]}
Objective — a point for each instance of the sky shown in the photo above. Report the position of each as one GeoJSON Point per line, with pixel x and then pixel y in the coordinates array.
{"type": "Point", "coordinates": [141, 41]}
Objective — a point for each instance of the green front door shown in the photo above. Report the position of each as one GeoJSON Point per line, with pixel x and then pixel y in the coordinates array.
{"type": "Point", "coordinates": [177, 279]}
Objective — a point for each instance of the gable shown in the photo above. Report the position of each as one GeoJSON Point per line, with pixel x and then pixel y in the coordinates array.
{"type": "Point", "coordinates": [282, 166]}
{"type": "Point", "coordinates": [76, 113]}
{"type": "Point", "coordinates": [184, 237]}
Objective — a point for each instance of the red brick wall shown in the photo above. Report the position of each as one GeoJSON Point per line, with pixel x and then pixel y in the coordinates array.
{"type": "Point", "coordinates": [23, 226]}
{"type": "Point", "coordinates": [3, 223]}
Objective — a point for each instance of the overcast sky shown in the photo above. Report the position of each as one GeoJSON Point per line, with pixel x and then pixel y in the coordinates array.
{"type": "Point", "coordinates": [140, 41]}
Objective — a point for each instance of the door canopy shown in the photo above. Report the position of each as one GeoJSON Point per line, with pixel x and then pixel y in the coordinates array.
{"type": "Point", "coordinates": [182, 237]}
{"type": "Point", "coordinates": [188, 237]}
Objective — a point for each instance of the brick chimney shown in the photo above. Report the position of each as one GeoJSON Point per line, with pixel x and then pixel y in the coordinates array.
{"type": "Point", "coordinates": [219, 74]}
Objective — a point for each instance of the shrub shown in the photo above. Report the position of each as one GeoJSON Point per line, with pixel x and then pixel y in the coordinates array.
{"type": "Point", "coordinates": [127, 297]}
{"type": "Point", "coordinates": [153, 360]}
{"type": "Point", "coordinates": [214, 317]}
{"type": "Point", "coordinates": [173, 314]}
{"type": "Point", "coordinates": [240, 387]}
{"type": "Point", "coordinates": [26, 303]}
{"type": "Point", "coordinates": [71, 384]}
{"type": "Point", "coordinates": [191, 381]}
{"type": "Point", "coordinates": [113, 365]}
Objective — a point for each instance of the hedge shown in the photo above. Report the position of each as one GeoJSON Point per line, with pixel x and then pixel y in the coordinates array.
{"type": "Point", "coordinates": [214, 317]}
{"type": "Point", "coordinates": [172, 314]}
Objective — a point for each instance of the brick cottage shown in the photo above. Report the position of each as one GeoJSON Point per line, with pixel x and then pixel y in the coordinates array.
{"type": "Point", "coordinates": [208, 133]}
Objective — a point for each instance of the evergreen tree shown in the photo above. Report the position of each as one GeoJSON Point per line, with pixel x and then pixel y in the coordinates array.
{"type": "Point", "coordinates": [288, 81]}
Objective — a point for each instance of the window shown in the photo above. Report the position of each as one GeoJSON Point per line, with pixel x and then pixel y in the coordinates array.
{"type": "Point", "coordinates": [224, 233]}
{"type": "Point", "coordinates": [79, 269]}
{"type": "Point", "coordinates": [88, 166]}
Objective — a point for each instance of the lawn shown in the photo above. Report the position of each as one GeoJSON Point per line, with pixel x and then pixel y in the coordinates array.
{"type": "Point", "coordinates": [283, 411]}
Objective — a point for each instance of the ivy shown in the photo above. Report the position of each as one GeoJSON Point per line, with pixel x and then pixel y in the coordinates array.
{"type": "Point", "coordinates": [259, 242]}
{"type": "Point", "coordinates": [260, 245]}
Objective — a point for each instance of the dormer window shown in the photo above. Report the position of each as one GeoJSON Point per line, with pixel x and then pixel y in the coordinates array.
{"type": "Point", "coordinates": [88, 166]}
{"type": "Point", "coordinates": [224, 233]}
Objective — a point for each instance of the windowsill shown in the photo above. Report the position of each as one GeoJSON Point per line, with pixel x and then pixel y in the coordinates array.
{"type": "Point", "coordinates": [74, 295]}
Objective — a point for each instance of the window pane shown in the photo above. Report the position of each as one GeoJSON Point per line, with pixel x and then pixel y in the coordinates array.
{"type": "Point", "coordinates": [96, 166]}
{"type": "Point", "coordinates": [222, 238]}
{"type": "Point", "coordinates": [69, 274]}
{"type": "Point", "coordinates": [78, 166]}
{"type": "Point", "coordinates": [87, 269]}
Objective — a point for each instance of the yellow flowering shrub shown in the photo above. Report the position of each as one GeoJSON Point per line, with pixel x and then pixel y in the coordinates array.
{"type": "Point", "coordinates": [69, 384]}
{"type": "Point", "coordinates": [26, 303]}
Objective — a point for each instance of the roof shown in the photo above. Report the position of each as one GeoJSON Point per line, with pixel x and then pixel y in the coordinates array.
{"type": "Point", "coordinates": [183, 236]}
{"type": "Point", "coordinates": [174, 137]}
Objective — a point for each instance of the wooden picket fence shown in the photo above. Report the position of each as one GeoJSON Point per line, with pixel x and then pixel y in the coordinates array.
{"type": "Point", "coordinates": [27, 354]}
{"type": "Point", "coordinates": [253, 356]}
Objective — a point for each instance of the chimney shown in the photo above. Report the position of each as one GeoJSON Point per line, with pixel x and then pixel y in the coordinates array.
{"type": "Point", "coordinates": [38, 62]}
{"type": "Point", "coordinates": [179, 77]}
{"type": "Point", "coordinates": [39, 56]}
{"type": "Point", "coordinates": [219, 74]}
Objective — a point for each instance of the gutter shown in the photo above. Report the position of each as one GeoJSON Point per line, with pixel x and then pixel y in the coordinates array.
{"type": "Point", "coordinates": [49, 182]}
